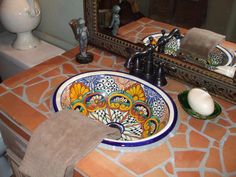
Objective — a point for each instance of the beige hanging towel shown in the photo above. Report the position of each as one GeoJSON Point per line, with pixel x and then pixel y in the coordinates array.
{"type": "Point", "coordinates": [61, 141]}
{"type": "Point", "coordinates": [200, 42]}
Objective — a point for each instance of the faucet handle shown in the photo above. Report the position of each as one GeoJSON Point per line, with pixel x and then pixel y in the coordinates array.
{"type": "Point", "coordinates": [160, 79]}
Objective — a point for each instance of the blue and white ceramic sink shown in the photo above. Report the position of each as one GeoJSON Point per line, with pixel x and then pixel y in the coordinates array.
{"type": "Point", "coordinates": [143, 113]}
{"type": "Point", "coordinates": [220, 56]}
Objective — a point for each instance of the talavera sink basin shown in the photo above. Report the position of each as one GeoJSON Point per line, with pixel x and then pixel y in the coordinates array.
{"type": "Point", "coordinates": [142, 112]}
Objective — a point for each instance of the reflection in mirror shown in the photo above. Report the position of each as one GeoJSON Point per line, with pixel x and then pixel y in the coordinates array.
{"type": "Point", "coordinates": [142, 18]}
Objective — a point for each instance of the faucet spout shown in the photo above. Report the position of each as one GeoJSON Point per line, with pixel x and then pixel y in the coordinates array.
{"type": "Point", "coordinates": [166, 38]}
{"type": "Point", "coordinates": [140, 64]}
{"type": "Point", "coordinates": [135, 59]}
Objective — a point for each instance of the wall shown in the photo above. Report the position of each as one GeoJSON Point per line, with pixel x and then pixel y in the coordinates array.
{"type": "Point", "coordinates": [144, 6]}
{"type": "Point", "coordinates": [218, 15]}
{"type": "Point", "coordinates": [1, 28]}
{"type": "Point", "coordinates": [231, 30]}
{"type": "Point", "coordinates": [56, 15]}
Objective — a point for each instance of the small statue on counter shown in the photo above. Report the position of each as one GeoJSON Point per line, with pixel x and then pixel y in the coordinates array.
{"type": "Point", "coordinates": [81, 34]}
{"type": "Point", "coordinates": [115, 22]}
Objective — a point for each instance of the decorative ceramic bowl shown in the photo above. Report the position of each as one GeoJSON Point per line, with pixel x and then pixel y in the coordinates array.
{"type": "Point", "coordinates": [142, 112]}
{"type": "Point", "coordinates": [218, 57]}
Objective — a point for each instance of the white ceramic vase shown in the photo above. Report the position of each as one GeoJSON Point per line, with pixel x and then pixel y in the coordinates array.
{"type": "Point", "coordinates": [21, 17]}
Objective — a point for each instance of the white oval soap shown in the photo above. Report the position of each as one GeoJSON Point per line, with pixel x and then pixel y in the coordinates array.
{"type": "Point", "coordinates": [201, 101]}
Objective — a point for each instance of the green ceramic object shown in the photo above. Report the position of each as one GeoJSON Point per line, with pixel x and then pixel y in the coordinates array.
{"type": "Point", "coordinates": [183, 99]}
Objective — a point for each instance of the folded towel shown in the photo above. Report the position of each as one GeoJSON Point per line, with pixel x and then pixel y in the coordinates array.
{"type": "Point", "coordinates": [60, 141]}
{"type": "Point", "coordinates": [199, 42]}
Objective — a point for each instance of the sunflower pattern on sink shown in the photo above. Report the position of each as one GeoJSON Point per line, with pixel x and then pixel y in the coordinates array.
{"type": "Point", "coordinates": [137, 110]}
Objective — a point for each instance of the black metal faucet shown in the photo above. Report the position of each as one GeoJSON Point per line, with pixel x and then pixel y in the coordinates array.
{"type": "Point", "coordinates": [141, 64]}
{"type": "Point", "coordinates": [166, 38]}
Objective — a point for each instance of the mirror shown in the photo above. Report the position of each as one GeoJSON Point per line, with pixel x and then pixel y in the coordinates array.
{"type": "Point", "coordinates": [142, 18]}
{"type": "Point", "coordinates": [215, 83]}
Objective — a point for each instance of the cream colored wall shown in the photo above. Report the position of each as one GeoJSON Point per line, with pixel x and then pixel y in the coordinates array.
{"type": "Point", "coordinates": [1, 27]}
{"type": "Point", "coordinates": [218, 15]}
{"type": "Point", "coordinates": [56, 15]}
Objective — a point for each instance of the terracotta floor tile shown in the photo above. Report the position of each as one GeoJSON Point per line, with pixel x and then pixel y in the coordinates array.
{"type": "Point", "coordinates": [131, 33]}
{"type": "Point", "coordinates": [215, 131]}
{"type": "Point", "coordinates": [73, 61]}
{"type": "Point", "coordinates": [188, 159]}
{"type": "Point", "coordinates": [110, 153]}
{"type": "Point", "coordinates": [132, 39]}
{"type": "Point", "coordinates": [197, 140]}
{"type": "Point", "coordinates": [19, 90]}
{"type": "Point", "coordinates": [69, 69]}
{"type": "Point", "coordinates": [52, 73]}
{"type": "Point", "coordinates": [229, 152]}
{"type": "Point", "coordinates": [33, 72]}
{"type": "Point", "coordinates": [181, 113]}
{"type": "Point", "coordinates": [92, 66]}
{"type": "Point", "coordinates": [43, 108]}
{"type": "Point", "coordinates": [96, 58]}
{"type": "Point", "coordinates": [196, 123]}
{"type": "Point", "coordinates": [35, 91]}
{"type": "Point", "coordinates": [182, 128]}
{"type": "Point", "coordinates": [2, 89]}
{"type": "Point", "coordinates": [175, 86]}
{"type": "Point", "coordinates": [120, 60]}
{"type": "Point", "coordinates": [174, 96]}
{"type": "Point", "coordinates": [33, 81]}
{"type": "Point", "coordinates": [48, 104]}
{"type": "Point", "coordinates": [118, 67]}
{"type": "Point", "coordinates": [77, 174]}
{"type": "Point", "coordinates": [55, 82]}
{"type": "Point", "coordinates": [83, 70]}
{"type": "Point", "coordinates": [140, 162]}
{"type": "Point", "coordinates": [216, 144]}
{"type": "Point", "coordinates": [232, 130]}
{"type": "Point", "coordinates": [107, 62]}
{"type": "Point", "coordinates": [103, 167]}
{"type": "Point", "coordinates": [148, 30]}
{"type": "Point", "coordinates": [213, 160]}
{"type": "Point", "coordinates": [178, 141]}
{"type": "Point", "coordinates": [129, 27]}
{"type": "Point", "coordinates": [140, 28]}
{"type": "Point", "coordinates": [169, 168]}
{"type": "Point", "coordinates": [49, 93]}
{"type": "Point", "coordinates": [96, 51]}
{"type": "Point", "coordinates": [145, 20]}
{"type": "Point", "coordinates": [71, 53]}
{"type": "Point", "coordinates": [232, 115]}
{"type": "Point", "coordinates": [211, 174]}
{"type": "Point", "coordinates": [223, 122]}
{"type": "Point", "coordinates": [188, 174]}
{"type": "Point", "coordinates": [223, 103]}
{"type": "Point", "coordinates": [158, 172]}
{"type": "Point", "coordinates": [22, 112]}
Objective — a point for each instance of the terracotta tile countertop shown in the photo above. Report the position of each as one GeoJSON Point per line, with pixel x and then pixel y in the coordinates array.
{"type": "Point", "coordinates": [198, 148]}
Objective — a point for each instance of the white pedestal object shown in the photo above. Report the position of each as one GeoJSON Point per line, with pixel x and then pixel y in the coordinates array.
{"type": "Point", "coordinates": [21, 17]}
{"type": "Point", "coordinates": [13, 61]}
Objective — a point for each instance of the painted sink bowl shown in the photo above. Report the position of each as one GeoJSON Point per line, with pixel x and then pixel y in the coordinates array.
{"type": "Point", "coordinates": [218, 57]}
{"type": "Point", "coordinates": [143, 113]}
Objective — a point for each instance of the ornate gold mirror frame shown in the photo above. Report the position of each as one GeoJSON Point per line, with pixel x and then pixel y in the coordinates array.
{"type": "Point", "coordinates": [215, 83]}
